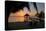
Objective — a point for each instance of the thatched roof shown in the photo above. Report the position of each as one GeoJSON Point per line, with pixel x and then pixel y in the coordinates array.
{"type": "Point", "coordinates": [26, 15]}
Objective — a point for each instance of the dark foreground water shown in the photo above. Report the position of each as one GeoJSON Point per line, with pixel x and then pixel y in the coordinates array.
{"type": "Point", "coordinates": [24, 25]}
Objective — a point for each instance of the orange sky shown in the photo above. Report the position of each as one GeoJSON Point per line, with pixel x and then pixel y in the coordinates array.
{"type": "Point", "coordinates": [20, 13]}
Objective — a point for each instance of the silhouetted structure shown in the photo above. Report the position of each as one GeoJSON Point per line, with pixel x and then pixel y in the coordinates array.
{"type": "Point", "coordinates": [26, 16]}
{"type": "Point", "coordinates": [41, 15]}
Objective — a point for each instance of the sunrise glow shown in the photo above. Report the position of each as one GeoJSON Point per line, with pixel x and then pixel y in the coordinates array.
{"type": "Point", "coordinates": [19, 16]}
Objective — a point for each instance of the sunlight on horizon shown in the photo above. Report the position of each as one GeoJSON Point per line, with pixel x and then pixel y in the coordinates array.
{"type": "Point", "coordinates": [20, 13]}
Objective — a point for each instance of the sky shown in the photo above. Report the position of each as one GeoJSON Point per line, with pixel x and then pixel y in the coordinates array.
{"type": "Point", "coordinates": [40, 7]}
{"type": "Point", "coordinates": [25, 10]}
